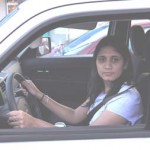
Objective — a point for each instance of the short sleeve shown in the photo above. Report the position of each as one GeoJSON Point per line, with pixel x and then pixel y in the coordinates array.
{"type": "Point", "coordinates": [128, 105]}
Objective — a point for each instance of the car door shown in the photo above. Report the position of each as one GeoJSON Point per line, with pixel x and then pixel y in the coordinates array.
{"type": "Point", "coordinates": [65, 78]}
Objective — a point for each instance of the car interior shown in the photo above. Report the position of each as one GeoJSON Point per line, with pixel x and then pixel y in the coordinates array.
{"type": "Point", "coordinates": [65, 78]}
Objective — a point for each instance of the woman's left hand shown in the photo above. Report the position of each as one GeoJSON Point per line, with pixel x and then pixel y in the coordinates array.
{"type": "Point", "coordinates": [30, 86]}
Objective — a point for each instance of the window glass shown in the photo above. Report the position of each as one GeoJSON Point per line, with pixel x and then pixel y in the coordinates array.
{"type": "Point", "coordinates": [145, 24]}
{"type": "Point", "coordinates": [72, 40]}
{"type": "Point", "coordinates": [137, 37]}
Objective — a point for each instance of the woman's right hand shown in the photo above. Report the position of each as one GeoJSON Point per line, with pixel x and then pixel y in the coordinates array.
{"type": "Point", "coordinates": [21, 119]}
{"type": "Point", "coordinates": [30, 86]}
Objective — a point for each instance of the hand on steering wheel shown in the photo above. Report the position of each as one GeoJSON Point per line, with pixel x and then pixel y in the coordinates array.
{"type": "Point", "coordinates": [11, 93]}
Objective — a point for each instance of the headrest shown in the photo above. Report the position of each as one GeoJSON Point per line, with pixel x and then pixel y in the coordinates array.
{"type": "Point", "coordinates": [137, 37]}
{"type": "Point", "coordinates": [147, 46]}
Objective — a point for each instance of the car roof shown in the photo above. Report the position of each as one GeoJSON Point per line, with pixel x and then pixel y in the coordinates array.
{"type": "Point", "coordinates": [47, 4]}
{"type": "Point", "coordinates": [24, 11]}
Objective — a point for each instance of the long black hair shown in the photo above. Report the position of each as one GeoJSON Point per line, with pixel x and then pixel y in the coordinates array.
{"type": "Point", "coordinates": [96, 84]}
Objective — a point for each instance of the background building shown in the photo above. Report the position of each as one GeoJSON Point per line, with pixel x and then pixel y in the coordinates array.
{"type": "Point", "coordinates": [6, 6]}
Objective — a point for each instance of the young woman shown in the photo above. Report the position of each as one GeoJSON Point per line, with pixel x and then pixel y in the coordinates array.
{"type": "Point", "coordinates": [111, 74]}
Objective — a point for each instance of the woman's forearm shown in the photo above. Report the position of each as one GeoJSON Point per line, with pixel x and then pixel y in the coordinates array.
{"type": "Point", "coordinates": [37, 123]}
{"type": "Point", "coordinates": [66, 113]}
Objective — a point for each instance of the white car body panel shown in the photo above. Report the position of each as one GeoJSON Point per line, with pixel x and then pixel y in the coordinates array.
{"type": "Point", "coordinates": [45, 5]}
{"type": "Point", "coordinates": [18, 27]}
{"type": "Point", "coordinates": [107, 144]}
{"type": "Point", "coordinates": [17, 20]}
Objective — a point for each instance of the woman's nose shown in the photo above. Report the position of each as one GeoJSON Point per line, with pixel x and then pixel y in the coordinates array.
{"type": "Point", "coordinates": [108, 64]}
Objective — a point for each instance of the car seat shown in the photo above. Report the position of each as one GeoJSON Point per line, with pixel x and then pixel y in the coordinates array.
{"type": "Point", "coordinates": [143, 86]}
{"type": "Point", "coordinates": [143, 70]}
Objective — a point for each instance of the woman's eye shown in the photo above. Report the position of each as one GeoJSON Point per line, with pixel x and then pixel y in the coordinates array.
{"type": "Point", "coordinates": [101, 59]}
{"type": "Point", "coordinates": [115, 59]}
{"type": "Point", "coordinates": [112, 60]}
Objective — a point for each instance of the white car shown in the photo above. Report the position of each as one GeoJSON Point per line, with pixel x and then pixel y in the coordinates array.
{"type": "Point", "coordinates": [65, 78]}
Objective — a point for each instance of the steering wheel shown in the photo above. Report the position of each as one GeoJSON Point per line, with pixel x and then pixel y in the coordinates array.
{"type": "Point", "coordinates": [11, 95]}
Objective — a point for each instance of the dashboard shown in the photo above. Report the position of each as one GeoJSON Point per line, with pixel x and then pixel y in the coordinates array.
{"type": "Point", "coordinates": [3, 77]}
{"type": "Point", "coordinates": [3, 101]}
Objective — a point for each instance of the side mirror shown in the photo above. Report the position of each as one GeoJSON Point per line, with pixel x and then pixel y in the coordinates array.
{"type": "Point", "coordinates": [45, 46]}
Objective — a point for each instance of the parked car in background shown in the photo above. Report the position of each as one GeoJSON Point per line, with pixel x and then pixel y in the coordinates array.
{"type": "Point", "coordinates": [28, 33]}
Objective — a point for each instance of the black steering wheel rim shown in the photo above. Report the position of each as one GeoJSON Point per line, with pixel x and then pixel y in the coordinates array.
{"type": "Point", "coordinates": [12, 105]}
{"type": "Point", "coordinates": [10, 93]}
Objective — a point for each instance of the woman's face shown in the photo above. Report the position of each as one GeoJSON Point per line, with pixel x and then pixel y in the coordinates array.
{"type": "Point", "coordinates": [110, 64]}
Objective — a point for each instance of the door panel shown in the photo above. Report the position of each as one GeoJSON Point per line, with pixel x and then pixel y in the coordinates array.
{"type": "Point", "coordinates": [63, 78]}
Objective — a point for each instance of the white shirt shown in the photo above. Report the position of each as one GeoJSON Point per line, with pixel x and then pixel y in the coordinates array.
{"type": "Point", "coordinates": [128, 105]}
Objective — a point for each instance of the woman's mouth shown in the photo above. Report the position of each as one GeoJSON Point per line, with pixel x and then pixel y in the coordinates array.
{"type": "Point", "coordinates": [107, 73]}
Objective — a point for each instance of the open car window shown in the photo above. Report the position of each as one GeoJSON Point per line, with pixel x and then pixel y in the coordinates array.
{"type": "Point", "coordinates": [69, 41]}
